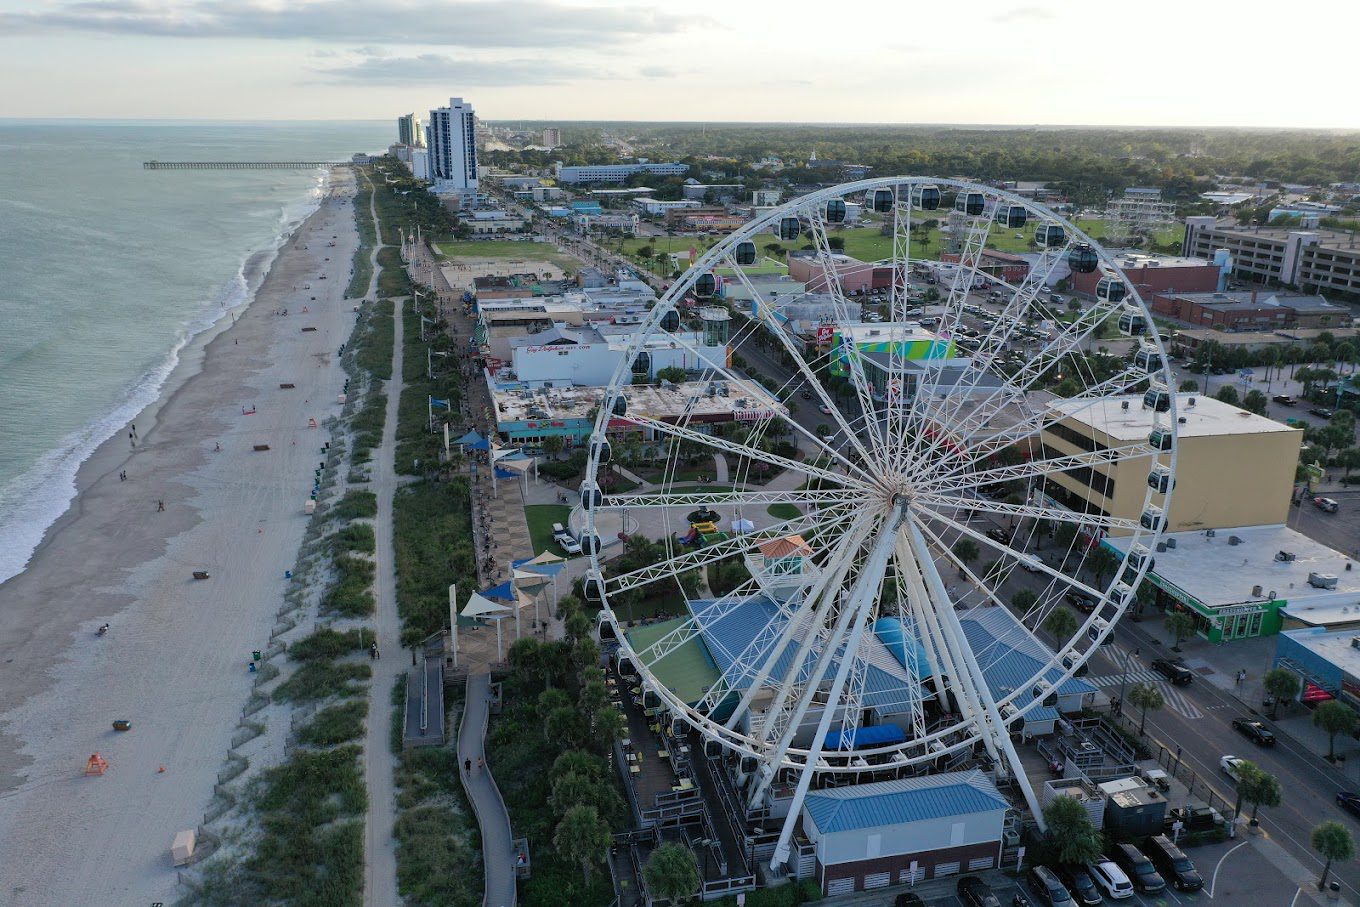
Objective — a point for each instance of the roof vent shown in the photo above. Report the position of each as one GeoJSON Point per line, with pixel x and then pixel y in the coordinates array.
{"type": "Point", "coordinates": [1287, 557]}
{"type": "Point", "coordinates": [1322, 580]}
{"type": "Point", "coordinates": [1210, 533]}
{"type": "Point", "coordinates": [1171, 543]}
{"type": "Point", "coordinates": [1180, 419]}
{"type": "Point", "coordinates": [1234, 540]}
{"type": "Point", "coordinates": [1190, 402]}
{"type": "Point", "coordinates": [1124, 404]}
{"type": "Point", "coordinates": [1255, 591]}
{"type": "Point", "coordinates": [1355, 642]}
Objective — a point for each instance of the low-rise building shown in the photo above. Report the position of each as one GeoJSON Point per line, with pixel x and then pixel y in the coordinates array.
{"type": "Point", "coordinates": [1251, 310]}
{"type": "Point", "coordinates": [1252, 581]}
{"type": "Point", "coordinates": [1326, 660]}
{"type": "Point", "coordinates": [1003, 265]}
{"type": "Point", "coordinates": [657, 207]}
{"type": "Point", "coordinates": [869, 836]}
{"type": "Point", "coordinates": [1233, 468]}
{"type": "Point", "coordinates": [1150, 274]}
{"type": "Point", "coordinates": [614, 173]}
{"type": "Point", "coordinates": [1315, 260]}
{"type": "Point", "coordinates": [853, 276]}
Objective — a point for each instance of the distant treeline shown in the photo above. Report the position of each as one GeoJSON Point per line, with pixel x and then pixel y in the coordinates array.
{"type": "Point", "coordinates": [1087, 164]}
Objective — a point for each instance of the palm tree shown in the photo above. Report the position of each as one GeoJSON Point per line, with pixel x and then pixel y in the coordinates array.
{"type": "Point", "coordinates": [1334, 717]}
{"type": "Point", "coordinates": [671, 874]}
{"type": "Point", "coordinates": [1061, 623]}
{"type": "Point", "coordinates": [1145, 696]}
{"type": "Point", "coordinates": [582, 837]}
{"type": "Point", "coordinates": [1283, 685]}
{"type": "Point", "coordinates": [1260, 788]}
{"type": "Point", "coordinates": [1180, 625]}
{"type": "Point", "coordinates": [1334, 842]}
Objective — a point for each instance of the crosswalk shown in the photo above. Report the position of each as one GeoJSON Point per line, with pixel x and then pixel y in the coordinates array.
{"type": "Point", "coordinates": [1175, 699]}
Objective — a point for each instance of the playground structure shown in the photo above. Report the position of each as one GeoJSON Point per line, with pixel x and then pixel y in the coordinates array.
{"type": "Point", "coordinates": [703, 529]}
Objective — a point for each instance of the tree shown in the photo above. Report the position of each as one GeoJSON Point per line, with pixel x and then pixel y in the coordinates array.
{"type": "Point", "coordinates": [1145, 696]}
{"type": "Point", "coordinates": [672, 373]}
{"type": "Point", "coordinates": [1334, 717]}
{"type": "Point", "coordinates": [1334, 842]}
{"type": "Point", "coordinates": [582, 837]}
{"type": "Point", "coordinates": [1070, 831]}
{"type": "Point", "coordinates": [1228, 394]}
{"type": "Point", "coordinates": [552, 445]}
{"type": "Point", "coordinates": [526, 658]}
{"type": "Point", "coordinates": [1101, 562]}
{"type": "Point", "coordinates": [1180, 625]}
{"type": "Point", "coordinates": [1349, 459]}
{"type": "Point", "coordinates": [1283, 685]}
{"type": "Point", "coordinates": [1023, 600]}
{"type": "Point", "coordinates": [580, 790]}
{"type": "Point", "coordinates": [1061, 623]}
{"type": "Point", "coordinates": [1255, 402]}
{"type": "Point", "coordinates": [1260, 788]}
{"type": "Point", "coordinates": [1189, 385]}
{"type": "Point", "coordinates": [671, 873]}
{"type": "Point", "coordinates": [965, 551]}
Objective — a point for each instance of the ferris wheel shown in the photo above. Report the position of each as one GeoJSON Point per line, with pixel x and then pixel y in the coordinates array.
{"type": "Point", "coordinates": [844, 488]}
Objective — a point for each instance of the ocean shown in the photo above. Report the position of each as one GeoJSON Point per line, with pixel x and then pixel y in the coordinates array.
{"type": "Point", "coordinates": [108, 270]}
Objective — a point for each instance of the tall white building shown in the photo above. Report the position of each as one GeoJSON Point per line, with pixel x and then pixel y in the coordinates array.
{"type": "Point", "coordinates": [409, 130]}
{"type": "Point", "coordinates": [453, 145]}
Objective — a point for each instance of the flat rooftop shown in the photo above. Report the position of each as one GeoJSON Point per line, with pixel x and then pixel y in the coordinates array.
{"type": "Point", "coordinates": [1331, 645]}
{"type": "Point", "coordinates": [1218, 573]}
{"type": "Point", "coordinates": [1130, 258]}
{"type": "Point", "coordinates": [515, 404]}
{"type": "Point", "coordinates": [1334, 239]}
{"type": "Point", "coordinates": [1208, 417]}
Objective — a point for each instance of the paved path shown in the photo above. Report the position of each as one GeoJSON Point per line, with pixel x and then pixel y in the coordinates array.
{"type": "Point", "coordinates": [497, 851]}
{"type": "Point", "coordinates": [380, 857]}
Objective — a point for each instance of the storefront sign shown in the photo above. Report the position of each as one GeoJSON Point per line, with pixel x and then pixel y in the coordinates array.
{"type": "Point", "coordinates": [1240, 609]}
{"type": "Point", "coordinates": [752, 415]}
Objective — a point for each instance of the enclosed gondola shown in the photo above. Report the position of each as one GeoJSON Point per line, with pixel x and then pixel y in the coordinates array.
{"type": "Point", "coordinates": [1049, 236]}
{"type": "Point", "coordinates": [1132, 323]}
{"type": "Point", "coordinates": [835, 211]}
{"type": "Point", "coordinates": [600, 449]}
{"type": "Point", "coordinates": [880, 200]}
{"type": "Point", "coordinates": [593, 589]}
{"type": "Point", "coordinates": [745, 253]}
{"type": "Point", "coordinates": [642, 364]}
{"type": "Point", "coordinates": [706, 286]}
{"type": "Point", "coordinates": [1147, 358]}
{"type": "Point", "coordinates": [670, 322]}
{"type": "Point", "coordinates": [591, 497]}
{"type": "Point", "coordinates": [1013, 217]}
{"type": "Point", "coordinates": [1160, 438]}
{"type": "Point", "coordinates": [970, 203]}
{"type": "Point", "coordinates": [619, 407]}
{"type": "Point", "coordinates": [1159, 479]}
{"type": "Point", "coordinates": [1153, 518]}
{"type": "Point", "coordinates": [590, 544]}
{"type": "Point", "coordinates": [1111, 289]}
{"type": "Point", "coordinates": [927, 198]}
{"type": "Point", "coordinates": [1083, 259]}
{"type": "Point", "coordinates": [1157, 398]}
{"type": "Point", "coordinates": [788, 228]}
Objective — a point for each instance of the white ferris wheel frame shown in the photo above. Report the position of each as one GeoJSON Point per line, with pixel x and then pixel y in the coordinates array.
{"type": "Point", "coordinates": [991, 719]}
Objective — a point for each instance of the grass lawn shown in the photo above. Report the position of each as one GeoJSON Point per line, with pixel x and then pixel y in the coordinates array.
{"type": "Point", "coordinates": [784, 511]}
{"type": "Point", "coordinates": [540, 518]}
{"type": "Point", "coordinates": [867, 244]}
{"type": "Point", "coordinates": [504, 248]}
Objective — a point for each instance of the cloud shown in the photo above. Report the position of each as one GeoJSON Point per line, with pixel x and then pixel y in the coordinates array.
{"type": "Point", "coordinates": [658, 72]}
{"type": "Point", "coordinates": [462, 23]}
{"type": "Point", "coordinates": [1023, 14]}
{"type": "Point", "coordinates": [438, 68]}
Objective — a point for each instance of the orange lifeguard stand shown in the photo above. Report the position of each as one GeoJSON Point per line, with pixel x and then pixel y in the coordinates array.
{"type": "Point", "coordinates": [96, 765]}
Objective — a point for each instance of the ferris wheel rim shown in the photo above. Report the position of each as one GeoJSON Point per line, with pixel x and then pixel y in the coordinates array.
{"type": "Point", "coordinates": [1061, 653]}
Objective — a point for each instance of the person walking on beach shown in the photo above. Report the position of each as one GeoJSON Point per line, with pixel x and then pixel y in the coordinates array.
{"type": "Point", "coordinates": [160, 506]}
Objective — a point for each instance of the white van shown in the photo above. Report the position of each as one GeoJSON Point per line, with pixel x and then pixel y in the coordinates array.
{"type": "Point", "coordinates": [565, 540]}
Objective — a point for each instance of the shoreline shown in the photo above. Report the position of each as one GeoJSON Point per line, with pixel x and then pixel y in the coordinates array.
{"type": "Point", "coordinates": [174, 659]}
{"type": "Point", "coordinates": [199, 330]}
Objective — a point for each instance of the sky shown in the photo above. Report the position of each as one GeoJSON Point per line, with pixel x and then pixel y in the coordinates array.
{"type": "Point", "coordinates": [1150, 62]}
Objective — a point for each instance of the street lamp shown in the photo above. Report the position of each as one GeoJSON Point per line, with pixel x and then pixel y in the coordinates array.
{"type": "Point", "coordinates": [1119, 708]}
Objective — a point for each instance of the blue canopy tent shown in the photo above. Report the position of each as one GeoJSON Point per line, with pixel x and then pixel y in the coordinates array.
{"type": "Point", "coordinates": [471, 438]}
{"type": "Point", "coordinates": [873, 735]}
{"type": "Point", "coordinates": [503, 592]}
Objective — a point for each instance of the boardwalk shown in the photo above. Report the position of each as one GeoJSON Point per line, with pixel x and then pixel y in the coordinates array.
{"type": "Point", "coordinates": [497, 850]}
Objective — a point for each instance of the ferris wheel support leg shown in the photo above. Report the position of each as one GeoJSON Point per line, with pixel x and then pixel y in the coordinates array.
{"type": "Point", "coordinates": [991, 723]}
{"type": "Point", "coordinates": [858, 610]}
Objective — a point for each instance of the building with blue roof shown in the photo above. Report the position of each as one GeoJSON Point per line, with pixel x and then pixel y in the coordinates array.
{"type": "Point", "coordinates": [869, 836]}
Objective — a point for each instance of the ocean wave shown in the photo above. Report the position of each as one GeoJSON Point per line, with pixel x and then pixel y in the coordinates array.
{"type": "Point", "coordinates": [31, 502]}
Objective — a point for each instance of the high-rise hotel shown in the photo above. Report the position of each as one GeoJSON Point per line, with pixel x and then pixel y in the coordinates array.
{"type": "Point", "coordinates": [453, 145]}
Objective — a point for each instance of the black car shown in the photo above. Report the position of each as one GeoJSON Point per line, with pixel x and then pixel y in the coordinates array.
{"type": "Point", "coordinates": [1173, 864]}
{"type": "Point", "coordinates": [976, 893]}
{"type": "Point", "coordinates": [1138, 868]}
{"type": "Point", "coordinates": [1349, 801]}
{"type": "Point", "coordinates": [1081, 601]}
{"type": "Point", "coordinates": [1321, 412]}
{"type": "Point", "coordinates": [1257, 732]}
{"type": "Point", "coordinates": [909, 899]}
{"type": "Point", "coordinates": [1079, 882]}
{"type": "Point", "coordinates": [1284, 399]}
{"type": "Point", "coordinates": [999, 535]}
{"type": "Point", "coordinates": [1173, 670]}
{"type": "Point", "coordinates": [1044, 884]}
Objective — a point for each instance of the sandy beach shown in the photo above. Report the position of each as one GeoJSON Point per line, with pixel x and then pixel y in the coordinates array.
{"type": "Point", "coordinates": [174, 661]}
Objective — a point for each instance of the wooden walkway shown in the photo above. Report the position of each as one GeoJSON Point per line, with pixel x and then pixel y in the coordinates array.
{"type": "Point", "coordinates": [498, 851]}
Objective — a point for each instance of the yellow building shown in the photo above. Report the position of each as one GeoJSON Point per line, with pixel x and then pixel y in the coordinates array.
{"type": "Point", "coordinates": [1233, 468]}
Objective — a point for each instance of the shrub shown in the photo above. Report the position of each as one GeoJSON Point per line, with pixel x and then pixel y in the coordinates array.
{"type": "Point", "coordinates": [432, 542]}
{"type": "Point", "coordinates": [322, 679]}
{"type": "Point", "coordinates": [335, 724]}
{"type": "Point", "coordinates": [355, 537]}
{"type": "Point", "coordinates": [326, 643]}
{"type": "Point", "coordinates": [350, 596]}
{"type": "Point", "coordinates": [356, 504]}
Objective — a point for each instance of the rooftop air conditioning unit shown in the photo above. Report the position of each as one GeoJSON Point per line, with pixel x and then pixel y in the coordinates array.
{"type": "Point", "coordinates": [1161, 547]}
{"type": "Point", "coordinates": [1255, 591]}
{"type": "Point", "coordinates": [1171, 543]}
{"type": "Point", "coordinates": [1124, 404]}
{"type": "Point", "coordinates": [1234, 540]}
{"type": "Point", "coordinates": [1190, 402]}
{"type": "Point", "coordinates": [1355, 642]}
{"type": "Point", "coordinates": [1210, 533]}
{"type": "Point", "coordinates": [1286, 557]}
{"type": "Point", "coordinates": [1322, 580]}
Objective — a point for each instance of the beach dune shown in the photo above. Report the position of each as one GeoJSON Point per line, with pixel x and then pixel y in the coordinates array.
{"type": "Point", "coordinates": [174, 661]}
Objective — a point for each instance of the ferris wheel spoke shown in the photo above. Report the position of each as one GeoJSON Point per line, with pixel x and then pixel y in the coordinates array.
{"type": "Point", "coordinates": [850, 358]}
{"type": "Point", "coordinates": [1036, 564]}
{"type": "Point", "coordinates": [824, 520]}
{"type": "Point", "coordinates": [767, 318]}
{"type": "Point", "coordinates": [1029, 511]}
{"type": "Point", "coordinates": [959, 477]}
{"type": "Point", "coordinates": [722, 444]}
{"type": "Point", "coordinates": [809, 499]}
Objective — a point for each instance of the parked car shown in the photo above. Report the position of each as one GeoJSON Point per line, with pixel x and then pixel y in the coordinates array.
{"type": "Point", "coordinates": [1173, 864]}
{"type": "Point", "coordinates": [1284, 399]}
{"type": "Point", "coordinates": [908, 899]}
{"type": "Point", "coordinates": [1078, 881]}
{"type": "Point", "coordinates": [998, 534]}
{"type": "Point", "coordinates": [1349, 801]}
{"type": "Point", "coordinates": [1110, 879]}
{"type": "Point", "coordinates": [565, 540]}
{"type": "Point", "coordinates": [1081, 601]}
{"type": "Point", "coordinates": [1231, 766]}
{"type": "Point", "coordinates": [1255, 731]}
{"type": "Point", "coordinates": [1174, 670]}
{"type": "Point", "coordinates": [976, 893]}
{"type": "Point", "coordinates": [1321, 412]}
{"type": "Point", "coordinates": [1328, 505]}
{"type": "Point", "coordinates": [1138, 868]}
{"type": "Point", "coordinates": [824, 409]}
{"type": "Point", "coordinates": [1047, 887]}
